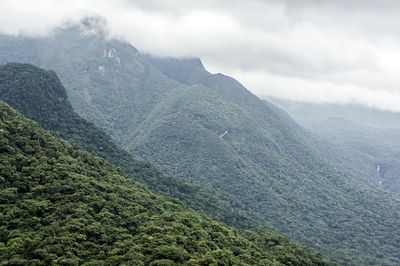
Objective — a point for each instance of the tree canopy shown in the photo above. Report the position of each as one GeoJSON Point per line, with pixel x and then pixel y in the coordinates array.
{"type": "Point", "coordinates": [61, 205]}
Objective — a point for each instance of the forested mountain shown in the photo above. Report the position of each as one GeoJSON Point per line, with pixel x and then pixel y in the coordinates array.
{"type": "Point", "coordinates": [60, 205]}
{"type": "Point", "coordinates": [371, 149]}
{"type": "Point", "coordinates": [210, 129]}
{"type": "Point", "coordinates": [287, 135]}
{"type": "Point", "coordinates": [361, 139]}
{"type": "Point", "coordinates": [39, 95]}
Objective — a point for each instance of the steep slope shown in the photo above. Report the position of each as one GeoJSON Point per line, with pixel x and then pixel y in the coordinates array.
{"type": "Point", "coordinates": [355, 138]}
{"type": "Point", "coordinates": [61, 205]}
{"type": "Point", "coordinates": [360, 166]}
{"type": "Point", "coordinates": [93, 69]}
{"type": "Point", "coordinates": [276, 159]}
{"type": "Point", "coordinates": [374, 150]}
{"type": "Point", "coordinates": [212, 130]}
{"type": "Point", "coordinates": [39, 95]}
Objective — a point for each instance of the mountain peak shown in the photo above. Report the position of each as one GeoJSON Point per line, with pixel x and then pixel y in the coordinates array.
{"type": "Point", "coordinates": [196, 62]}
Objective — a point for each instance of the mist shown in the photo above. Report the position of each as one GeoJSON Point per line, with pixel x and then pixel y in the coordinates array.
{"type": "Point", "coordinates": [311, 51]}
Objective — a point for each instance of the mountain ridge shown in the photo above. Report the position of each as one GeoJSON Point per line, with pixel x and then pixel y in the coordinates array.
{"type": "Point", "coordinates": [21, 83]}
{"type": "Point", "coordinates": [268, 167]}
{"type": "Point", "coordinates": [61, 205]}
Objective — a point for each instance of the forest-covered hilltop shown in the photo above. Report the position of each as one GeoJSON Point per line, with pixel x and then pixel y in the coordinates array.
{"type": "Point", "coordinates": [39, 95]}
{"type": "Point", "coordinates": [62, 205]}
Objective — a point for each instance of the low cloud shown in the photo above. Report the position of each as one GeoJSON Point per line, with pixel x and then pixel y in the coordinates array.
{"type": "Point", "coordinates": [318, 91]}
{"type": "Point", "coordinates": [317, 51]}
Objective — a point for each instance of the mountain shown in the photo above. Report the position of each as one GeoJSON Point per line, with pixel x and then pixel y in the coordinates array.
{"type": "Point", "coordinates": [358, 138]}
{"type": "Point", "coordinates": [377, 150]}
{"type": "Point", "coordinates": [307, 114]}
{"type": "Point", "coordinates": [286, 133]}
{"type": "Point", "coordinates": [210, 129]}
{"type": "Point", "coordinates": [39, 95]}
{"type": "Point", "coordinates": [62, 205]}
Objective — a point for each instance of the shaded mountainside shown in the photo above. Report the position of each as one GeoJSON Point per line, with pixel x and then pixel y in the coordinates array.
{"type": "Point", "coordinates": [39, 95]}
{"type": "Point", "coordinates": [62, 205]}
{"type": "Point", "coordinates": [210, 129]}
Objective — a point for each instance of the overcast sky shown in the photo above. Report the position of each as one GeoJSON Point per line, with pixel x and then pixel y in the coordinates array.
{"type": "Point", "coordinates": [341, 51]}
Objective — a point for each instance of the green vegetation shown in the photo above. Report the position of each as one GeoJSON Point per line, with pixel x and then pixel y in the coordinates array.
{"type": "Point", "coordinates": [60, 205]}
{"type": "Point", "coordinates": [209, 129]}
{"type": "Point", "coordinates": [355, 138]}
{"type": "Point", "coordinates": [39, 95]}
{"type": "Point", "coordinates": [362, 149]}
{"type": "Point", "coordinates": [272, 168]}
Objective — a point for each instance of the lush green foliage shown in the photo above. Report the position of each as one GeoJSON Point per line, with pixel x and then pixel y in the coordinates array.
{"type": "Point", "coordinates": [39, 95]}
{"type": "Point", "coordinates": [178, 119]}
{"type": "Point", "coordinates": [61, 205]}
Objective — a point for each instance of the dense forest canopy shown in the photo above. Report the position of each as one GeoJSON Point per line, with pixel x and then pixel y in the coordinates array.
{"type": "Point", "coordinates": [61, 205]}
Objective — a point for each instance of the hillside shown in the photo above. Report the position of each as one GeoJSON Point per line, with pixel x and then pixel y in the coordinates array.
{"type": "Point", "coordinates": [294, 172]}
{"type": "Point", "coordinates": [39, 95]}
{"type": "Point", "coordinates": [210, 129]}
{"type": "Point", "coordinates": [374, 150]}
{"type": "Point", "coordinates": [355, 138]}
{"type": "Point", "coordinates": [61, 205]}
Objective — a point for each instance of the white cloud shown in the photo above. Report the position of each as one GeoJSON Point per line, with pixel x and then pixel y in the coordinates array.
{"type": "Point", "coordinates": [321, 51]}
{"type": "Point", "coordinates": [318, 91]}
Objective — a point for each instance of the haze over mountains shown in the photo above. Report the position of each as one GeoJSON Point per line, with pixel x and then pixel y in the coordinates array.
{"type": "Point", "coordinates": [209, 130]}
{"type": "Point", "coordinates": [366, 140]}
